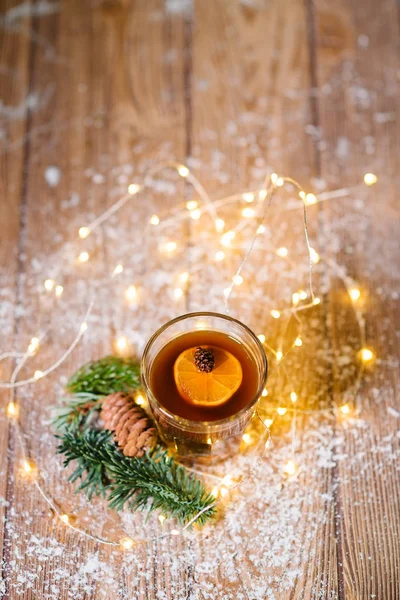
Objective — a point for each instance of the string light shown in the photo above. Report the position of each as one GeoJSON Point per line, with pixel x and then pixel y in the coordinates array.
{"type": "Point", "coordinates": [315, 257]}
{"type": "Point", "coordinates": [293, 396]}
{"type": "Point", "coordinates": [310, 199]}
{"type": "Point", "coordinates": [227, 238]}
{"type": "Point", "coordinates": [195, 214]}
{"type": "Point", "coordinates": [219, 224]}
{"type": "Point", "coordinates": [274, 178]}
{"type": "Point", "coordinates": [281, 410]}
{"type": "Point", "coordinates": [170, 247]}
{"type": "Point", "coordinates": [220, 255]}
{"type": "Point", "coordinates": [354, 293]}
{"type": "Point", "coordinates": [59, 290]}
{"type": "Point", "coordinates": [262, 194]}
{"type": "Point", "coordinates": [237, 279]}
{"type": "Point", "coordinates": [246, 437]}
{"type": "Point", "coordinates": [317, 301]}
{"type": "Point", "coordinates": [280, 181]}
{"type": "Point", "coordinates": [183, 171]}
{"type": "Point", "coordinates": [38, 374]}
{"type": "Point", "coordinates": [131, 293]}
{"type": "Point", "coordinates": [290, 468]}
{"type": "Point", "coordinates": [366, 354]}
{"type": "Point", "coordinates": [140, 400]}
{"type": "Point", "coordinates": [161, 518]}
{"type": "Point", "coordinates": [64, 518]}
{"type": "Point", "coordinates": [248, 212]}
{"type": "Point", "coordinates": [283, 252]}
{"type": "Point", "coordinates": [133, 188]}
{"type": "Point", "coordinates": [34, 345]}
{"type": "Point", "coordinates": [302, 195]}
{"type": "Point", "coordinates": [127, 543]}
{"type": "Point", "coordinates": [279, 355]}
{"type": "Point", "coordinates": [84, 232]}
{"type": "Point", "coordinates": [121, 343]}
{"type": "Point", "coordinates": [268, 422]}
{"type": "Point", "coordinates": [183, 277]}
{"type": "Point", "coordinates": [178, 293]}
{"type": "Point", "coordinates": [28, 466]}
{"type": "Point", "coordinates": [275, 313]}
{"type": "Point", "coordinates": [118, 269]}
{"type": "Point", "coordinates": [83, 327]}
{"type": "Point", "coordinates": [302, 294]}
{"type": "Point", "coordinates": [261, 229]}
{"type": "Point", "coordinates": [83, 257]}
{"type": "Point", "coordinates": [298, 342]}
{"type": "Point", "coordinates": [12, 410]}
{"type": "Point", "coordinates": [264, 393]}
{"type": "Point", "coordinates": [345, 409]}
{"type": "Point", "coordinates": [248, 197]}
{"type": "Point", "coordinates": [227, 291]}
{"type": "Point", "coordinates": [192, 204]}
{"type": "Point", "coordinates": [295, 298]}
{"type": "Point", "coordinates": [175, 532]}
{"type": "Point", "coordinates": [370, 179]}
{"type": "Point", "coordinates": [261, 337]}
{"type": "Point", "coordinates": [154, 220]}
{"type": "Point", "coordinates": [49, 284]}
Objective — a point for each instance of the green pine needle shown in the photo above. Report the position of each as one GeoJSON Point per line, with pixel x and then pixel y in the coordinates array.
{"type": "Point", "coordinates": [76, 411]}
{"type": "Point", "coordinates": [105, 376]}
{"type": "Point", "coordinates": [153, 482]}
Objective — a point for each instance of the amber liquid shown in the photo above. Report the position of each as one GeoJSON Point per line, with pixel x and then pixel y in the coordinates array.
{"type": "Point", "coordinates": [163, 385]}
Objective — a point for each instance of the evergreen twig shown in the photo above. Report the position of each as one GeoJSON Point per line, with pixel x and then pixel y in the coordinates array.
{"type": "Point", "coordinates": [105, 376]}
{"type": "Point", "coordinates": [76, 411]}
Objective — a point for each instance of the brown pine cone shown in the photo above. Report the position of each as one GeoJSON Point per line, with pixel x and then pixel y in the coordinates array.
{"type": "Point", "coordinates": [133, 430]}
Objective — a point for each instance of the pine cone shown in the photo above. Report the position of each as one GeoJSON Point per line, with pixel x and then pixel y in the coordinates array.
{"type": "Point", "coordinates": [133, 431]}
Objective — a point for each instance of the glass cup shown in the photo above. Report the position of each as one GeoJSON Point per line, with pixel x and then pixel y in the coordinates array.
{"type": "Point", "coordinates": [212, 439]}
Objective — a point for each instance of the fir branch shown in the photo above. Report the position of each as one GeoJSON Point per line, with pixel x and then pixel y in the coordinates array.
{"type": "Point", "coordinates": [154, 481]}
{"type": "Point", "coordinates": [76, 411]}
{"type": "Point", "coordinates": [105, 376]}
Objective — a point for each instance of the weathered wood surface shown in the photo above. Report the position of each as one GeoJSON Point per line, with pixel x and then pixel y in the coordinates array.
{"type": "Point", "coordinates": [237, 89]}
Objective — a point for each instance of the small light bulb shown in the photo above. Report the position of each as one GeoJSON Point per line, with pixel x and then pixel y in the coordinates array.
{"type": "Point", "coordinates": [293, 396]}
{"type": "Point", "coordinates": [121, 343]}
{"type": "Point", "coordinates": [268, 422]}
{"type": "Point", "coordinates": [178, 293]}
{"type": "Point", "coordinates": [274, 178]}
{"type": "Point", "coordinates": [261, 337]}
{"type": "Point", "coordinates": [317, 301]}
{"type": "Point", "coordinates": [209, 441]}
{"type": "Point", "coordinates": [83, 257]}
{"type": "Point", "coordinates": [290, 468]}
{"type": "Point", "coordinates": [310, 199]}
{"type": "Point", "coordinates": [279, 355]}
{"type": "Point", "coordinates": [248, 212]}
{"type": "Point", "coordinates": [127, 543]}
{"type": "Point", "coordinates": [262, 194]}
{"type": "Point", "coordinates": [261, 229]}
{"type": "Point", "coordinates": [224, 491]}
{"type": "Point", "coordinates": [175, 532]}
{"type": "Point", "coordinates": [282, 252]}
{"type": "Point", "coordinates": [298, 342]}
{"type": "Point", "coordinates": [354, 294]}
{"type": "Point", "coordinates": [183, 277]}
{"type": "Point", "coordinates": [281, 410]}
{"type": "Point", "coordinates": [227, 238]}
{"type": "Point", "coordinates": [49, 284]}
{"type": "Point", "coordinates": [64, 519]}
{"type": "Point", "coordinates": [161, 518]}
{"type": "Point", "coordinates": [118, 269]}
{"type": "Point", "coordinates": [215, 492]}
{"type": "Point", "coordinates": [183, 171]}
{"type": "Point", "coordinates": [154, 220]}
{"type": "Point", "coordinates": [59, 290]}
{"type": "Point", "coordinates": [12, 410]}
{"type": "Point", "coordinates": [34, 345]}
{"type": "Point", "coordinates": [248, 197]}
{"type": "Point", "coordinates": [192, 204]}
{"type": "Point", "coordinates": [219, 256]}
{"type": "Point", "coordinates": [227, 480]}
{"type": "Point", "coordinates": [246, 437]}
{"type": "Point", "coordinates": [28, 466]}
{"type": "Point", "coordinates": [140, 400]}
{"type": "Point", "coordinates": [280, 181]}
{"type": "Point", "coordinates": [302, 194]}
{"type": "Point", "coordinates": [295, 298]}
{"type": "Point", "coordinates": [131, 293]}
{"type": "Point", "coordinates": [264, 393]}
{"type": "Point", "coordinates": [133, 189]}
{"type": "Point", "coordinates": [219, 224]}
{"type": "Point", "coordinates": [237, 279]}
{"type": "Point", "coordinates": [302, 294]}
{"type": "Point", "coordinates": [366, 354]}
{"type": "Point", "coordinates": [275, 314]}
{"type": "Point", "coordinates": [345, 409]}
{"type": "Point", "coordinates": [83, 327]}
{"type": "Point", "coordinates": [83, 232]}
{"type": "Point", "coordinates": [195, 214]}
{"type": "Point", "coordinates": [227, 291]}
{"type": "Point", "coordinates": [370, 178]}
{"type": "Point", "coordinates": [170, 247]}
{"type": "Point", "coordinates": [38, 374]}
{"type": "Point", "coordinates": [315, 257]}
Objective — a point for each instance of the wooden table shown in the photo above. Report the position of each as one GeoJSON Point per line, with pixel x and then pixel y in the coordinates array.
{"type": "Point", "coordinates": [102, 91]}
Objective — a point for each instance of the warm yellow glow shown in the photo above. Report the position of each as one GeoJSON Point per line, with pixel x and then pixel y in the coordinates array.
{"type": "Point", "coordinates": [175, 532]}
{"type": "Point", "coordinates": [264, 393]}
{"type": "Point", "coordinates": [227, 480]}
{"type": "Point", "coordinates": [178, 293]}
{"type": "Point", "coordinates": [183, 171]}
{"type": "Point", "coordinates": [192, 204]}
{"type": "Point", "coordinates": [261, 229]}
{"type": "Point", "coordinates": [12, 410]}
{"type": "Point", "coordinates": [315, 257]}
{"type": "Point", "coordinates": [170, 247]}
{"type": "Point", "coordinates": [83, 327]}
{"type": "Point", "coordinates": [275, 313]}
{"type": "Point", "coordinates": [195, 214]}
{"type": "Point", "coordinates": [282, 252]}
{"type": "Point", "coordinates": [227, 291]}
{"type": "Point", "coordinates": [366, 354]}
{"type": "Point", "coordinates": [279, 355]}
{"type": "Point", "coordinates": [38, 374]}
{"type": "Point", "coordinates": [310, 199]}
{"type": "Point", "coordinates": [59, 290]}
{"type": "Point", "coordinates": [161, 518]}
{"type": "Point", "coordinates": [262, 194]}
{"type": "Point", "coordinates": [28, 466]}
{"type": "Point", "coordinates": [127, 543]}
{"type": "Point", "coordinates": [293, 396]}
{"type": "Point", "coordinates": [280, 181]}
{"type": "Point", "coordinates": [83, 257]}
{"type": "Point", "coordinates": [281, 410]}
{"type": "Point", "coordinates": [49, 284]}
{"type": "Point", "coordinates": [183, 277]}
{"type": "Point", "coordinates": [64, 519]}
{"type": "Point", "coordinates": [133, 189]}
{"type": "Point", "coordinates": [121, 343]}
{"type": "Point", "coordinates": [154, 219]}
{"type": "Point", "coordinates": [209, 440]}
{"type": "Point", "coordinates": [354, 294]}
{"type": "Point", "coordinates": [298, 342]}
{"type": "Point", "coordinates": [302, 195]}
{"type": "Point", "coordinates": [237, 279]}
{"type": "Point", "coordinates": [345, 409]}
{"type": "Point", "coordinates": [215, 492]}
{"type": "Point", "coordinates": [248, 212]}
{"type": "Point", "coordinates": [219, 256]}
{"type": "Point", "coordinates": [34, 345]}
{"type": "Point", "coordinates": [83, 232]}
{"type": "Point", "coordinates": [295, 298]}
{"type": "Point", "coordinates": [118, 269]}
{"type": "Point", "coordinates": [317, 301]}
{"type": "Point", "coordinates": [227, 238]}
{"type": "Point", "coordinates": [268, 422]}
{"type": "Point", "coordinates": [370, 178]}
{"type": "Point", "coordinates": [302, 294]}
{"type": "Point", "coordinates": [140, 400]}
{"type": "Point", "coordinates": [261, 337]}
{"type": "Point", "coordinates": [246, 437]}
{"type": "Point", "coordinates": [219, 224]}
{"type": "Point", "coordinates": [248, 196]}
{"type": "Point", "coordinates": [224, 491]}
{"type": "Point", "coordinates": [290, 468]}
{"type": "Point", "coordinates": [274, 178]}
{"type": "Point", "coordinates": [131, 293]}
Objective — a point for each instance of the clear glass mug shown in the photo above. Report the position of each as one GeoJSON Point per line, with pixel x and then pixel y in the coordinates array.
{"type": "Point", "coordinates": [213, 439]}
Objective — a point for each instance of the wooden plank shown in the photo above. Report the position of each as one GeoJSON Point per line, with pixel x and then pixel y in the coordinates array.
{"type": "Point", "coordinates": [357, 59]}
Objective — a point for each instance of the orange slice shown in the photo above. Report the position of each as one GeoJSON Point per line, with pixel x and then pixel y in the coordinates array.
{"type": "Point", "coordinates": [208, 389]}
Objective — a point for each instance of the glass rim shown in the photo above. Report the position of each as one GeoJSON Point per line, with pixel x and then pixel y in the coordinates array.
{"type": "Point", "coordinates": [219, 422]}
